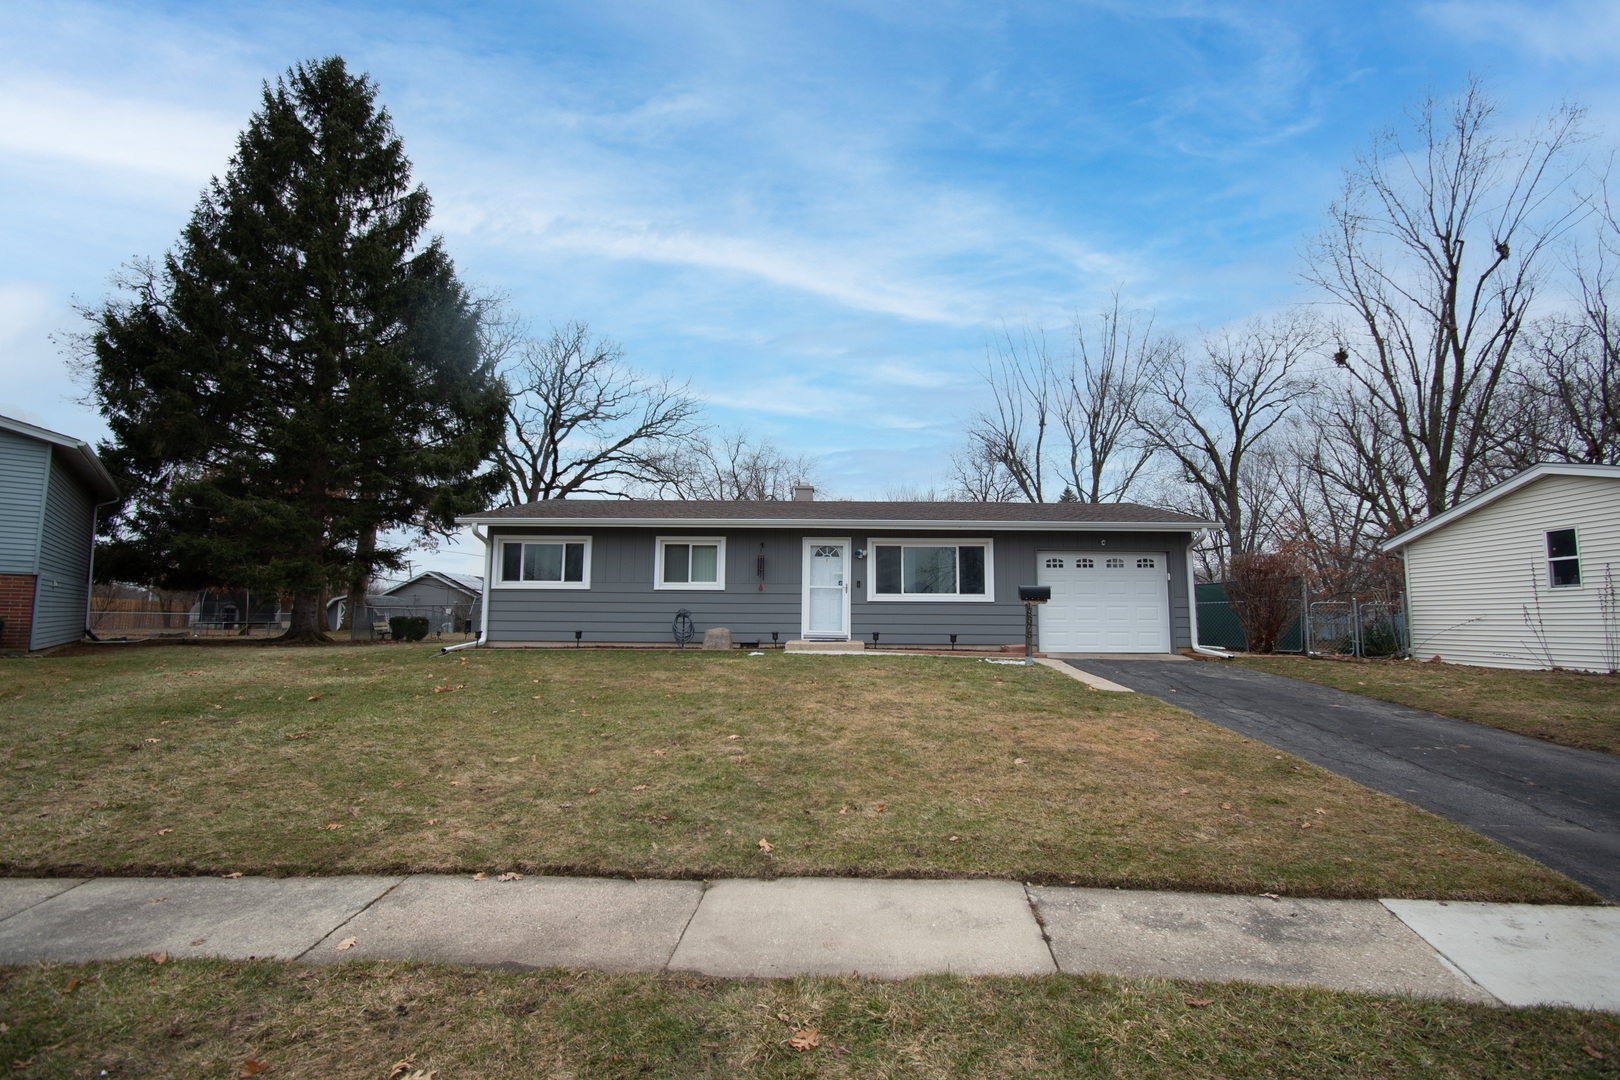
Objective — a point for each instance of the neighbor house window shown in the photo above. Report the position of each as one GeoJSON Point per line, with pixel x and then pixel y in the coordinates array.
{"type": "Point", "coordinates": [690, 562]}
{"type": "Point", "coordinates": [1563, 558]}
{"type": "Point", "coordinates": [931, 569]}
{"type": "Point", "coordinates": [548, 563]}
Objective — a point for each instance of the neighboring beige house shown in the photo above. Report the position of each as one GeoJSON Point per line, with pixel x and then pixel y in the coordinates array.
{"type": "Point", "coordinates": [1524, 575]}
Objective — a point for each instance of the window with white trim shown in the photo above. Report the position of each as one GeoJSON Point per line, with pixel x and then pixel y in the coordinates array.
{"type": "Point", "coordinates": [1144, 564]}
{"type": "Point", "coordinates": [1563, 559]}
{"type": "Point", "coordinates": [1084, 563]}
{"type": "Point", "coordinates": [1115, 563]}
{"type": "Point", "coordinates": [552, 562]}
{"type": "Point", "coordinates": [1054, 564]}
{"type": "Point", "coordinates": [690, 562]}
{"type": "Point", "coordinates": [932, 570]}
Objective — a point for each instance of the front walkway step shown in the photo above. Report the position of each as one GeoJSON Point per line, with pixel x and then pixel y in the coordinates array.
{"type": "Point", "coordinates": [1526, 954]}
{"type": "Point", "coordinates": [801, 645]}
{"type": "Point", "coordinates": [1344, 944]}
{"type": "Point", "coordinates": [601, 923]}
{"type": "Point", "coordinates": [111, 918]}
{"type": "Point", "coordinates": [887, 929]}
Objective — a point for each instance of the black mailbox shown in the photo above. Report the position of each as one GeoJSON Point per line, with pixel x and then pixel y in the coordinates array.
{"type": "Point", "coordinates": [1034, 594]}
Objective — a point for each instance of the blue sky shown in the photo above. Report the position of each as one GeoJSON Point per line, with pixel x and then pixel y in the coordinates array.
{"type": "Point", "coordinates": [816, 212]}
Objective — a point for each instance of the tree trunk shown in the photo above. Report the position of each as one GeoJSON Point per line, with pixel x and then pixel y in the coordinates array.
{"type": "Point", "coordinates": [307, 623]}
{"type": "Point", "coordinates": [365, 547]}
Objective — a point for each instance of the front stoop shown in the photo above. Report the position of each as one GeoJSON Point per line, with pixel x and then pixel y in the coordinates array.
{"type": "Point", "coordinates": [802, 645]}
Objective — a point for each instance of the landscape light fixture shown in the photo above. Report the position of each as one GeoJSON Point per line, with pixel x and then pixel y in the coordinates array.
{"type": "Point", "coordinates": [577, 635]}
{"type": "Point", "coordinates": [953, 642]}
{"type": "Point", "coordinates": [874, 639]}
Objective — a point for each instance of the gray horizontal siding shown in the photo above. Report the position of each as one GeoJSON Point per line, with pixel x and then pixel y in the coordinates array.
{"type": "Point", "coordinates": [24, 463]}
{"type": "Point", "coordinates": [622, 606]}
{"type": "Point", "coordinates": [63, 589]}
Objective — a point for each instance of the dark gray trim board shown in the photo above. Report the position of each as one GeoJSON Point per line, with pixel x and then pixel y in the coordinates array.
{"type": "Point", "coordinates": [621, 606]}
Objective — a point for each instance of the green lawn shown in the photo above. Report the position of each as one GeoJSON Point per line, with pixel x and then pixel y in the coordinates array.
{"type": "Point", "coordinates": [1564, 707]}
{"type": "Point", "coordinates": [215, 759]}
{"type": "Point", "coordinates": [369, 1021]}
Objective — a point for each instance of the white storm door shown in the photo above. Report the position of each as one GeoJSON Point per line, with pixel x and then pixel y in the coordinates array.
{"type": "Point", "coordinates": [826, 587]}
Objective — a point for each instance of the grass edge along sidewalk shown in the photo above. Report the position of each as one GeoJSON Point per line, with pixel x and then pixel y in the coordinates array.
{"type": "Point", "coordinates": [1569, 708]}
{"type": "Point", "coordinates": [374, 1019]}
{"type": "Point", "coordinates": [190, 760]}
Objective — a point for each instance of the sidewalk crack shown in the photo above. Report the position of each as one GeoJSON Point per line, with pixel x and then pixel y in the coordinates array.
{"type": "Point", "coordinates": [352, 916]}
{"type": "Point", "coordinates": [1035, 910]}
{"type": "Point", "coordinates": [685, 926]}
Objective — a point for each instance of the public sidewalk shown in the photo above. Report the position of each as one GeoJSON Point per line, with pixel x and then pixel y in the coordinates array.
{"type": "Point", "coordinates": [1515, 954]}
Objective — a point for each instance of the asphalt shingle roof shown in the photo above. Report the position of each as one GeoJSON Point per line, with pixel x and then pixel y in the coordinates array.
{"type": "Point", "coordinates": [631, 511]}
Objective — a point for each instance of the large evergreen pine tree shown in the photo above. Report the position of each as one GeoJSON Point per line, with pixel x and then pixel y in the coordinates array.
{"type": "Point", "coordinates": [301, 372]}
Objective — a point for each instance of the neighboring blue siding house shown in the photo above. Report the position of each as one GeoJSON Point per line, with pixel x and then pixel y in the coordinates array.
{"type": "Point", "coordinates": [50, 486]}
{"type": "Point", "coordinates": [912, 573]}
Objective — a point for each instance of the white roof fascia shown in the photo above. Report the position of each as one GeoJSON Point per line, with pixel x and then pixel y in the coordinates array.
{"type": "Point", "coordinates": [87, 456]}
{"type": "Point", "coordinates": [1490, 495]}
{"type": "Point", "coordinates": [845, 523]}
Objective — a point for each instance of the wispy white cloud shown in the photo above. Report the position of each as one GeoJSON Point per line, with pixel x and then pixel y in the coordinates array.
{"type": "Point", "coordinates": [1577, 30]}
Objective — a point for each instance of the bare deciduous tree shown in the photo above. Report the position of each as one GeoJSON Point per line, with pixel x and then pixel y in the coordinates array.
{"type": "Point", "coordinates": [582, 423]}
{"type": "Point", "coordinates": [1212, 414]}
{"type": "Point", "coordinates": [1078, 409]}
{"type": "Point", "coordinates": [1432, 252]}
{"type": "Point", "coordinates": [733, 467]}
{"type": "Point", "coordinates": [977, 475]}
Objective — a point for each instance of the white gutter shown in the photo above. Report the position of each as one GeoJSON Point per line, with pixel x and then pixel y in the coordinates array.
{"type": "Point", "coordinates": [1192, 612]}
{"type": "Point", "coordinates": [483, 607]}
{"type": "Point", "coordinates": [841, 523]}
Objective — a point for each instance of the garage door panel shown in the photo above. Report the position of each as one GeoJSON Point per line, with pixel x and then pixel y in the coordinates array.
{"type": "Point", "coordinates": [1104, 603]}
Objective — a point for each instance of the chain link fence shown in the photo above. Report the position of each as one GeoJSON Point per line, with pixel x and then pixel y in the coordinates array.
{"type": "Point", "coordinates": [1334, 627]}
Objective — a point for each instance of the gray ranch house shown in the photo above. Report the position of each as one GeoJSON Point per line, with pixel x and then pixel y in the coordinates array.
{"type": "Point", "coordinates": [908, 573]}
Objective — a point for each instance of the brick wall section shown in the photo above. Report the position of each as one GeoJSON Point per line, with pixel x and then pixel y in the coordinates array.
{"type": "Point", "coordinates": [17, 608]}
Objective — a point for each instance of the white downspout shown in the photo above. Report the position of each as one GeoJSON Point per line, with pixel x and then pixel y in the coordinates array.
{"type": "Point", "coordinates": [483, 607]}
{"type": "Point", "coordinates": [1192, 611]}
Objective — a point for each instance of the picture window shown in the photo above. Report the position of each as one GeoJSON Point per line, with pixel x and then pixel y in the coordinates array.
{"type": "Point", "coordinates": [931, 570]}
{"type": "Point", "coordinates": [561, 563]}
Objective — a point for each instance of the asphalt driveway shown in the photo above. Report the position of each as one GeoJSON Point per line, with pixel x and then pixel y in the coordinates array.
{"type": "Point", "coordinates": [1558, 805]}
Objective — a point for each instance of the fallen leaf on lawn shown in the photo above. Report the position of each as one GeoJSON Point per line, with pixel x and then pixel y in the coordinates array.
{"type": "Point", "coordinates": [159, 958]}
{"type": "Point", "coordinates": [300, 735]}
{"type": "Point", "coordinates": [639, 787]}
{"type": "Point", "coordinates": [878, 809]}
{"type": "Point", "coordinates": [1319, 810]}
{"type": "Point", "coordinates": [250, 1067]}
{"type": "Point", "coordinates": [455, 783]}
{"type": "Point", "coordinates": [1271, 896]}
{"type": "Point", "coordinates": [313, 697]}
{"type": "Point", "coordinates": [354, 811]}
{"type": "Point", "coordinates": [401, 1068]}
{"type": "Point", "coordinates": [954, 839]}
{"type": "Point", "coordinates": [844, 809]}
{"type": "Point", "coordinates": [347, 943]}
{"type": "Point", "coordinates": [397, 783]}
{"type": "Point", "coordinates": [1019, 761]}
{"type": "Point", "coordinates": [510, 877]}
{"type": "Point", "coordinates": [478, 876]}
{"type": "Point", "coordinates": [591, 791]}
{"type": "Point", "coordinates": [154, 740]}
{"type": "Point", "coordinates": [658, 753]}
{"type": "Point", "coordinates": [433, 821]}
{"type": "Point", "coordinates": [74, 984]}
{"type": "Point", "coordinates": [1199, 1003]}
{"type": "Point", "coordinates": [1305, 824]}
{"type": "Point", "coordinates": [535, 696]}
{"type": "Point", "coordinates": [765, 845]}
{"type": "Point", "coordinates": [808, 1039]}
{"type": "Point", "coordinates": [1226, 806]}
{"type": "Point", "coordinates": [233, 875]}
{"type": "Point", "coordinates": [164, 832]}
{"type": "Point", "coordinates": [1592, 1051]}
{"type": "Point", "coordinates": [332, 825]}
{"type": "Point", "coordinates": [733, 736]}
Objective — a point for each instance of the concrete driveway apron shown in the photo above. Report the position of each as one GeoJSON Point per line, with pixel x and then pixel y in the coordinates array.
{"type": "Point", "coordinates": [1558, 805]}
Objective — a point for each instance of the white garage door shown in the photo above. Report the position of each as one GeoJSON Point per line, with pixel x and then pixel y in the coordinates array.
{"type": "Point", "coordinates": [1104, 601]}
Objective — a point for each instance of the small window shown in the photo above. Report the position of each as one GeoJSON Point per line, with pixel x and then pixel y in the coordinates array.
{"type": "Point", "coordinates": [691, 562]}
{"type": "Point", "coordinates": [1054, 564]}
{"type": "Point", "coordinates": [1083, 563]}
{"type": "Point", "coordinates": [1563, 559]}
{"type": "Point", "coordinates": [1144, 564]}
{"type": "Point", "coordinates": [1115, 563]}
{"type": "Point", "coordinates": [557, 564]}
{"type": "Point", "coordinates": [930, 569]}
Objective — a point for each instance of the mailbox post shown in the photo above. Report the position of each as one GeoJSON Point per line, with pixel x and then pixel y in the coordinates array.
{"type": "Point", "coordinates": [1032, 595]}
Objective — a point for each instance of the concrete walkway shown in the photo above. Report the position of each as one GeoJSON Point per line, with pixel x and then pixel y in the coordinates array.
{"type": "Point", "coordinates": [1558, 805]}
{"type": "Point", "coordinates": [1510, 953]}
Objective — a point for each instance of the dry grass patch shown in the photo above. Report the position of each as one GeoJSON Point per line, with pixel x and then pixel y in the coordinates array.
{"type": "Point", "coordinates": [390, 759]}
{"type": "Point", "coordinates": [1565, 707]}
{"type": "Point", "coordinates": [374, 1020]}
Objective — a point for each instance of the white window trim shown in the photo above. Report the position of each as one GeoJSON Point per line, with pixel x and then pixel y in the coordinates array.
{"type": "Point", "coordinates": [689, 586]}
{"type": "Point", "coordinates": [1581, 584]}
{"type": "Point", "coordinates": [497, 563]}
{"type": "Point", "coordinates": [875, 597]}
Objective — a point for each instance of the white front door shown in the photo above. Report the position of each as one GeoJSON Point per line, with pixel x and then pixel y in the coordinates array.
{"type": "Point", "coordinates": [826, 587]}
{"type": "Point", "coordinates": [1104, 601]}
